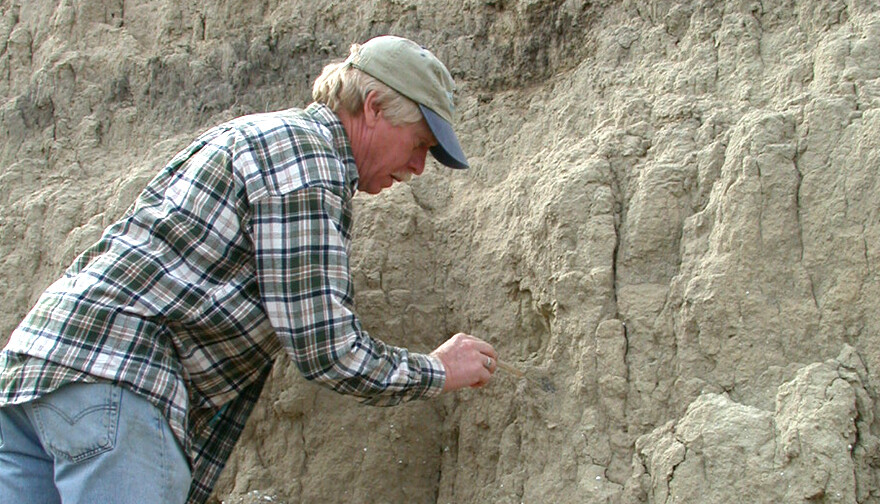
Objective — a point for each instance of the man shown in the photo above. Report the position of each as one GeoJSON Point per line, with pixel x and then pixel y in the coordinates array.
{"type": "Point", "coordinates": [131, 378]}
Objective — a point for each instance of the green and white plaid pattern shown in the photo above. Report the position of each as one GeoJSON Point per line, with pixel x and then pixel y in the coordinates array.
{"type": "Point", "coordinates": [237, 249]}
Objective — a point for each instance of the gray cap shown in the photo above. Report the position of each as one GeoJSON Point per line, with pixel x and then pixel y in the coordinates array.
{"type": "Point", "coordinates": [414, 72]}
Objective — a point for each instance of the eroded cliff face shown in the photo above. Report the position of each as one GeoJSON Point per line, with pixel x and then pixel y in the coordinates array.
{"type": "Point", "coordinates": [671, 224]}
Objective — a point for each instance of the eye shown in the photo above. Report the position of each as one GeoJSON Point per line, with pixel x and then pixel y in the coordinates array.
{"type": "Point", "coordinates": [427, 143]}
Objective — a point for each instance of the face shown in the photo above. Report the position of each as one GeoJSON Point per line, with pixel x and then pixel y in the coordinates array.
{"type": "Point", "coordinates": [392, 153]}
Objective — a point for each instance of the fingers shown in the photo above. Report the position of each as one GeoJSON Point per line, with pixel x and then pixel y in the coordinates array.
{"type": "Point", "coordinates": [489, 363]}
{"type": "Point", "coordinates": [484, 376]}
{"type": "Point", "coordinates": [469, 342]}
{"type": "Point", "coordinates": [469, 361]}
{"type": "Point", "coordinates": [482, 353]}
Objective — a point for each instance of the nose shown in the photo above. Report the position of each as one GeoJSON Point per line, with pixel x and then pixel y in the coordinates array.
{"type": "Point", "coordinates": [417, 162]}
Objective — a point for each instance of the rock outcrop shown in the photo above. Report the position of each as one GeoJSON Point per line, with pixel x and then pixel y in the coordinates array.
{"type": "Point", "coordinates": [671, 225]}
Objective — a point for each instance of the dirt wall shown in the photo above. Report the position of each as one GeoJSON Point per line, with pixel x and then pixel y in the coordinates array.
{"type": "Point", "coordinates": [671, 224]}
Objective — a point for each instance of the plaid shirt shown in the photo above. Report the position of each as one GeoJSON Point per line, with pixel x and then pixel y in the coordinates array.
{"type": "Point", "coordinates": [237, 249]}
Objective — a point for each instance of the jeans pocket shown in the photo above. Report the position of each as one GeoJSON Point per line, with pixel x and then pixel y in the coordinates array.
{"type": "Point", "coordinates": [78, 421]}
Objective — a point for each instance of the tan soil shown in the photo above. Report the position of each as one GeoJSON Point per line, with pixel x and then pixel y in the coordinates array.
{"type": "Point", "coordinates": [672, 217]}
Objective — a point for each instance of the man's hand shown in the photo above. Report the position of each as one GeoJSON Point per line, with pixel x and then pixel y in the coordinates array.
{"type": "Point", "coordinates": [469, 361]}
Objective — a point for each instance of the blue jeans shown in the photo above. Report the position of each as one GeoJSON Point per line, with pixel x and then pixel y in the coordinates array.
{"type": "Point", "coordinates": [90, 443]}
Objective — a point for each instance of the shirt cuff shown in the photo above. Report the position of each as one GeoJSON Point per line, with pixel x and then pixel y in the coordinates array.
{"type": "Point", "coordinates": [433, 375]}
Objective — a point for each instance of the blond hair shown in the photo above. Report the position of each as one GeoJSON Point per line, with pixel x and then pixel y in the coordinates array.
{"type": "Point", "coordinates": [343, 87]}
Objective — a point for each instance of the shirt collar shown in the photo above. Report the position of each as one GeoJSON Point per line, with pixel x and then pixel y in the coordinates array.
{"type": "Point", "coordinates": [324, 115]}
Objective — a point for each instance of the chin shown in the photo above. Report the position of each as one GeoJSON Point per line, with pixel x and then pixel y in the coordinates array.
{"type": "Point", "coordinates": [370, 190]}
{"type": "Point", "coordinates": [376, 187]}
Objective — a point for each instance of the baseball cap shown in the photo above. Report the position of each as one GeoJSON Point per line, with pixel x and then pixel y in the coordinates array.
{"type": "Point", "coordinates": [414, 72]}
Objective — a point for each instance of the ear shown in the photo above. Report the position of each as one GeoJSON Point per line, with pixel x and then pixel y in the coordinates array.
{"type": "Point", "coordinates": [372, 110]}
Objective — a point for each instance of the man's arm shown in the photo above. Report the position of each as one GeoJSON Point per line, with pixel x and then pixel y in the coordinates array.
{"type": "Point", "coordinates": [302, 267]}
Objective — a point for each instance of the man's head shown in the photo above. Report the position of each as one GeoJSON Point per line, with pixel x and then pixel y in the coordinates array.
{"type": "Point", "coordinates": [405, 85]}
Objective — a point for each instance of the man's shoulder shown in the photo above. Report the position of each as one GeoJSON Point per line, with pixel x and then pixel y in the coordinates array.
{"type": "Point", "coordinates": [292, 125]}
{"type": "Point", "coordinates": [291, 149]}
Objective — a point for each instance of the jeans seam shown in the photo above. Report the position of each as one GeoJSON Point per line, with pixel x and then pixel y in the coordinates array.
{"type": "Point", "coordinates": [166, 470]}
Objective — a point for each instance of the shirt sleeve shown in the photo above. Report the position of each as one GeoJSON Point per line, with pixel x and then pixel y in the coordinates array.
{"type": "Point", "coordinates": [302, 268]}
